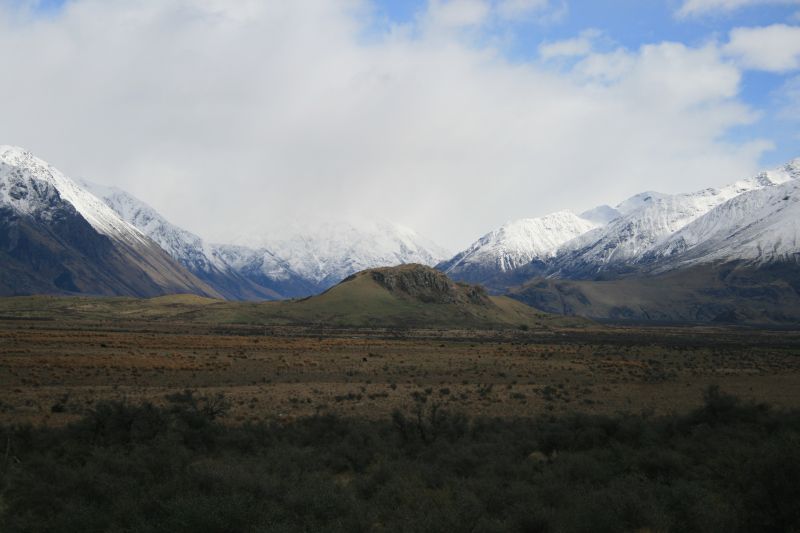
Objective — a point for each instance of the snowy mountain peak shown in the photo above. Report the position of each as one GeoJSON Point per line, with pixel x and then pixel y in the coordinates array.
{"type": "Point", "coordinates": [761, 225]}
{"type": "Point", "coordinates": [650, 219]}
{"type": "Point", "coordinates": [538, 237]}
{"type": "Point", "coordinates": [601, 215]}
{"type": "Point", "coordinates": [518, 243]}
{"type": "Point", "coordinates": [28, 183]}
{"type": "Point", "coordinates": [638, 201]}
{"type": "Point", "coordinates": [327, 253]}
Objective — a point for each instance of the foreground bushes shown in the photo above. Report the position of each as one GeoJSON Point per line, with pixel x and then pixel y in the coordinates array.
{"type": "Point", "coordinates": [725, 467]}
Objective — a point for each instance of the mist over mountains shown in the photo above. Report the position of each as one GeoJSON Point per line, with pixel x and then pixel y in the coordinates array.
{"type": "Point", "coordinates": [33, 194]}
{"type": "Point", "coordinates": [64, 236]}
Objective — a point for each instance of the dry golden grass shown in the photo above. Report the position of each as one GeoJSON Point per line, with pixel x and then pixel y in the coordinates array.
{"type": "Point", "coordinates": [51, 372]}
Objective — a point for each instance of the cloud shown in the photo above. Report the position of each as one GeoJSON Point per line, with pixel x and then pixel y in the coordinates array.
{"type": "Point", "coordinates": [458, 13]}
{"type": "Point", "coordinates": [577, 46]}
{"type": "Point", "coordinates": [788, 96]}
{"type": "Point", "coordinates": [511, 9]}
{"type": "Point", "coordinates": [773, 48]}
{"type": "Point", "coordinates": [227, 116]}
{"type": "Point", "coordinates": [703, 7]}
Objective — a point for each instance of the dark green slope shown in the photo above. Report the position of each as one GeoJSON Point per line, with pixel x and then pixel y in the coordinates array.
{"type": "Point", "coordinates": [728, 293]}
{"type": "Point", "coordinates": [63, 254]}
{"type": "Point", "coordinates": [404, 296]}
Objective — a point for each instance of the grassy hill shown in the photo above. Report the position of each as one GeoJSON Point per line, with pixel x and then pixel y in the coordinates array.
{"type": "Point", "coordinates": [728, 293]}
{"type": "Point", "coordinates": [403, 296]}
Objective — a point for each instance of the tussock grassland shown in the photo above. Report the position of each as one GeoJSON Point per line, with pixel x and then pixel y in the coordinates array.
{"type": "Point", "coordinates": [56, 365]}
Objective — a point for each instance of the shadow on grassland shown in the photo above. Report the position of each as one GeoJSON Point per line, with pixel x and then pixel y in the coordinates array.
{"type": "Point", "coordinates": [728, 466]}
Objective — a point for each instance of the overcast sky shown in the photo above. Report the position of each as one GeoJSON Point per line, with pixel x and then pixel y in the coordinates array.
{"type": "Point", "coordinates": [451, 117]}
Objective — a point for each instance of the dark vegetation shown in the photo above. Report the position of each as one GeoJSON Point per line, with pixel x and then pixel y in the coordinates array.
{"type": "Point", "coordinates": [728, 466]}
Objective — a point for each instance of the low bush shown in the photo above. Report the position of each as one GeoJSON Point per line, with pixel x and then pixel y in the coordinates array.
{"type": "Point", "coordinates": [728, 466]}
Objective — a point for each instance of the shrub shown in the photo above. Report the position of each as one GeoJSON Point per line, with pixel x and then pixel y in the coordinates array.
{"type": "Point", "coordinates": [728, 466]}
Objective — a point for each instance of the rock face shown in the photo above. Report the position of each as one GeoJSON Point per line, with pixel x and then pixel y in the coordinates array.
{"type": "Point", "coordinates": [57, 238]}
{"type": "Point", "coordinates": [427, 285]}
{"type": "Point", "coordinates": [411, 296]}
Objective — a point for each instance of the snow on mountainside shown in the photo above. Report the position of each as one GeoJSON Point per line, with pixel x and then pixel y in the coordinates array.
{"type": "Point", "coordinates": [312, 262]}
{"type": "Point", "coordinates": [326, 254]}
{"type": "Point", "coordinates": [23, 176]}
{"type": "Point", "coordinates": [185, 247]}
{"type": "Point", "coordinates": [236, 272]}
{"type": "Point", "coordinates": [649, 219]}
{"type": "Point", "coordinates": [58, 237]}
{"type": "Point", "coordinates": [758, 226]}
{"type": "Point", "coordinates": [516, 244]}
{"type": "Point", "coordinates": [601, 215]}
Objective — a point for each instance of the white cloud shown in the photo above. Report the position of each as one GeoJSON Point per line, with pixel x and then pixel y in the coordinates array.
{"type": "Point", "coordinates": [789, 99]}
{"type": "Point", "coordinates": [702, 7]}
{"type": "Point", "coordinates": [773, 48]}
{"type": "Point", "coordinates": [520, 8]}
{"type": "Point", "coordinates": [458, 13]}
{"type": "Point", "coordinates": [577, 46]}
{"type": "Point", "coordinates": [225, 114]}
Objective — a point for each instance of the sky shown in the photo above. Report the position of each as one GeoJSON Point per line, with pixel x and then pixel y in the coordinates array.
{"type": "Point", "coordinates": [234, 117]}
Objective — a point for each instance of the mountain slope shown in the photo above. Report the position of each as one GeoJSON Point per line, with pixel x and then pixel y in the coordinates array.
{"type": "Point", "coordinates": [235, 272]}
{"type": "Point", "coordinates": [760, 226]}
{"type": "Point", "coordinates": [737, 262]}
{"type": "Point", "coordinates": [265, 270]}
{"type": "Point", "coordinates": [514, 245]}
{"type": "Point", "coordinates": [723, 293]}
{"type": "Point", "coordinates": [308, 261]}
{"type": "Point", "coordinates": [56, 237]}
{"type": "Point", "coordinates": [648, 221]}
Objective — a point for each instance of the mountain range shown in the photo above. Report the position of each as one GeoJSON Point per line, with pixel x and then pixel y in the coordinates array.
{"type": "Point", "coordinates": [712, 247]}
{"type": "Point", "coordinates": [60, 235]}
{"type": "Point", "coordinates": [727, 254]}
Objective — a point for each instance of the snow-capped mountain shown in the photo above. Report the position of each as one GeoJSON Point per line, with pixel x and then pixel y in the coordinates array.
{"type": "Point", "coordinates": [184, 246]}
{"type": "Point", "coordinates": [264, 269]}
{"type": "Point", "coordinates": [301, 263]}
{"type": "Point", "coordinates": [56, 236]}
{"type": "Point", "coordinates": [517, 244]}
{"type": "Point", "coordinates": [607, 240]}
{"type": "Point", "coordinates": [601, 215]}
{"type": "Point", "coordinates": [235, 272]}
{"type": "Point", "coordinates": [62, 236]}
{"type": "Point", "coordinates": [30, 186]}
{"type": "Point", "coordinates": [325, 254]}
{"type": "Point", "coordinates": [648, 220]}
{"type": "Point", "coordinates": [759, 226]}
{"type": "Point", "coordinates": [736, 260]}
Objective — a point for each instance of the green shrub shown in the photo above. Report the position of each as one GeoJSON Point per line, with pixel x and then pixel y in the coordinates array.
{"type": "Point", "coordinates": [728, 466]}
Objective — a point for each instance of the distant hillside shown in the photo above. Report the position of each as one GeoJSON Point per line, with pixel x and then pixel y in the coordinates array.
{"type": "Point", "coordinates": [723, 293]}
{"type": "Point", "coordinates": [403, 296]}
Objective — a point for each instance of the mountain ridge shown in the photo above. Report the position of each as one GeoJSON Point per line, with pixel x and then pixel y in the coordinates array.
{"type": "Point", "coordinates": [57, 238]}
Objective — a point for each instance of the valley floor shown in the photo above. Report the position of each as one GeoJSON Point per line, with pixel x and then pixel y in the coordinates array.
{"type": "Point", "coordinates": [52, 371]}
